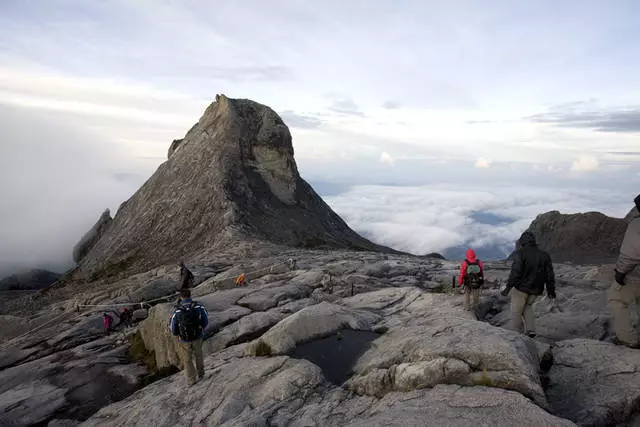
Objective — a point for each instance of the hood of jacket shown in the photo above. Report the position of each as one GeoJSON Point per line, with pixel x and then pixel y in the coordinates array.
{"type": "Point", "coordinates": [527, 239]}
{"type": "Point", "coordinates": [471, 255]}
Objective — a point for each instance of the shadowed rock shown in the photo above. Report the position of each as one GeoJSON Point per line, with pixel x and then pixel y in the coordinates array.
{"type": "Point", "coordinates": [86, 243]}
{"type": "Point", "coordinates": [579, 238]}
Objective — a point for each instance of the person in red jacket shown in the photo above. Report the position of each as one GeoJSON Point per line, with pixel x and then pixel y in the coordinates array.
{"type": "Point", "coordinates": [472, 278]}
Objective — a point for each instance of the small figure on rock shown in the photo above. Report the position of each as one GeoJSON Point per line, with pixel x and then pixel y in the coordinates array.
{"type": "Point", "coordinates": [186, 276]}
{"type": "Point", "coordinates": [108, 323]}
{"type": "Point", "coordinates": [472, 278]}
{"type": "Point", "coordinates": [531, 270]}
{"type": "Point", "coordinates": [188, 321]}
{"type": "Point", "coordinates": [126, 317]}
{"type": "Point", "coordinates": [625, 291]}
{"type": "Point", "coordinates": [241, 280]}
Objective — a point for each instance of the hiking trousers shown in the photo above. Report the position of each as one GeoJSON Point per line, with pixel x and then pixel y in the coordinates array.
{"type": "Point", "coordinates": [522, 317]}
{"type": "Point", "coordinates": [620, 300]}
{"type": "Point", "coordinates": [468, 294]}
{"type": "Point", "coordinates": [189, 352]}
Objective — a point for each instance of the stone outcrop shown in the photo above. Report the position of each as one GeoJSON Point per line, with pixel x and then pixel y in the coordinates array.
{"type": "Point", "coordinates": [32, 279]}
{"type": "Point", "coordinates": [233, 180]}
{"type": "Point", "coordinates": [87, 242]}
{"type": "Point", "coordinates": [175, 144]}
{"type": "Point", "coordinates": [579, 238]}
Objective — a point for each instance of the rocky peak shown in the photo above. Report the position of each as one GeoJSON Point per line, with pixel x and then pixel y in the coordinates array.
{"type": "Point", "coordinates": [90, 238]}
{"type": "Point", "coordinates": [232, 178]}
{"type": "Point", "coordinates": [590, 237]}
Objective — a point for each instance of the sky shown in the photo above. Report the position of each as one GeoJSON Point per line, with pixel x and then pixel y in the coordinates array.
{"type": "Point", "coordinates": [450, 100]}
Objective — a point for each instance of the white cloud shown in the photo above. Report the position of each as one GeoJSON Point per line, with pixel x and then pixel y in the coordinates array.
{"type": "Point", "coordinates": [585, 163]}
{"type": "Point", "coordinates": [483, 163]}
{"type": "Point", "coordinates": [438, 217]}
{"type": "Point", "coordinates": [385, 158]}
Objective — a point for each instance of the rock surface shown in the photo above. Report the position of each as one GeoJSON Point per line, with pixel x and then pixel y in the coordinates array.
{"type": "Point", "coordinates": [594, 383]}
{"type": "Point", "coordinates": [88, 241]}
{"type": "Point", "coordinates": [579, 238]}
{"type": "Point", "coordinates": [233, 179]}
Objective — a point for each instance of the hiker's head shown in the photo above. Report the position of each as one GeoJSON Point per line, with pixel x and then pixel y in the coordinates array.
{"type": "Point", "coordinates": [471, 254]}
{"type": "Point", "coordinates": [185, 293]}
{"type": "Point", "coordinates": [637, 202]}
{"type": "Point", "coordinates": [181, 264]}
{"type": "Point", "coordinates": [527, 239]}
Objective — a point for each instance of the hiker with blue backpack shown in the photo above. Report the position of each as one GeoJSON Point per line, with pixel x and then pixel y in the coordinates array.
{"type": "Point", "coordinates": [472, 278]}
{"type": "Point", "coordinates": [188, 321]}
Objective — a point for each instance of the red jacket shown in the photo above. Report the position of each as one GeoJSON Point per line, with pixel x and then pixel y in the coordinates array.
{"type": "Point", "coordinates": [471, 257]}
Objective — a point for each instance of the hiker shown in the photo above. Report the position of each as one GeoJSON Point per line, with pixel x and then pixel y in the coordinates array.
{"type": "Point", "coordinates": [472, 278]}
{"type": "Point", "coordinates": [531, 270]}
{"type": "Point", "coordinates": [108, 323]}
{"type": "Point", "coordinates": [240, 280]}
{"type": "Point", "coordinates": [625, 291]}
{"type": "Point", "coordinates": [187, 323]}
{"type": "Point", "coordinates": [126, 317]}
{"type": "Point", "coordinates": [186, 276]}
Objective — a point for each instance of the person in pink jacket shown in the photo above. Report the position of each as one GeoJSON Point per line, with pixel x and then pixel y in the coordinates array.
{"type": "Point", "coordinates": [472, 278]}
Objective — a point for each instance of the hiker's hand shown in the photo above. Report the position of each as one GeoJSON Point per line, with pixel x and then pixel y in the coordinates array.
{"type": "Point", "coordinates": [505, 292]}
{"type": "Point", "coordinates": [620, 278]}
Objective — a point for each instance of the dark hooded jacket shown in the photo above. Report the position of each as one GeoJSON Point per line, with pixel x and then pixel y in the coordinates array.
{"type": "Point", "coordinates": [186, 277]}
{"type": "Point", "coordinates": [532, 268]}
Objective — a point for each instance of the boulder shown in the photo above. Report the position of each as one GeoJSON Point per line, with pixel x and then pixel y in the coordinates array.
{"type": "Point", "coordinates": [314, 322]}
{"type": "Point", "coordinates": [594, 383]}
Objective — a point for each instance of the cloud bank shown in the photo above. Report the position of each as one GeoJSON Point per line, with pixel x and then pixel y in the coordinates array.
{"type": "Point", "coordinates": [436, 218]}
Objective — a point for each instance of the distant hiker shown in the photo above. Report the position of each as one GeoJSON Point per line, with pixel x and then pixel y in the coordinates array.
{"type": "Point", "coordinates": [531, 270]}
{"type": "Point", "coordinates": [126, 317]}
{"type": "Point", "coordinates": [186, 276]}
{"type": "Point", "coordinates": [188, 321]}
{"type": "Point", "coordinates": [472, 278]}
{"type": "Point", "coordinates": [625, 291]}
{"type": "Point", "coordinates": [108, 323]}
{"type": "Point", "coordinates": [240, 280]}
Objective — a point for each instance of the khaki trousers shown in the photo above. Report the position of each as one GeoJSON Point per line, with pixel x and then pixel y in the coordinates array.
{"type": "Point", "coordinates": [522, 310]}
{"type": "Point", "coordinates": [188, 352]}
{"type": "Point", "coordinates": [468, 293]}
{"type": "Point", "coordinates": [620, 300]}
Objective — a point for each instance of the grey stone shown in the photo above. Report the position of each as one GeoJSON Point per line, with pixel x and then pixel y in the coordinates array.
{"type": "Point", "coordinates": [594, 383]}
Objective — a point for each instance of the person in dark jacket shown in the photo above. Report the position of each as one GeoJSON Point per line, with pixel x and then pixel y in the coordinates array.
{"type": "Point", "coordinates": [186, 276]}
{"type": "Point", "coordinates": [531, 270]}
{"type": "Point", "coordinates": [188, 322]}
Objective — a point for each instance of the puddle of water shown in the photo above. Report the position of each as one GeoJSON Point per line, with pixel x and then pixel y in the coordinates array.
{"type": "Point", "coordinates": [336, 354]}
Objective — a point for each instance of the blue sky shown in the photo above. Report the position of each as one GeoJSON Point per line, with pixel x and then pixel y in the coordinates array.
{"type": "Point", "coordinates": [407, 93]}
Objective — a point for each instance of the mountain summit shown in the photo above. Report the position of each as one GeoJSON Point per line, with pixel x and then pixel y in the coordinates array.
{"type": "Point", "coordinates": [232, 178]}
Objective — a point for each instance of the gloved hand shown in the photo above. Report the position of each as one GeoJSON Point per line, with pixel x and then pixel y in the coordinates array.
{"type": "Point", "coordinates": [620, 278]}
{"type": "Point", "coordinates": [551, 295]}
{"type": "Point", "coordinates": [505, 292]}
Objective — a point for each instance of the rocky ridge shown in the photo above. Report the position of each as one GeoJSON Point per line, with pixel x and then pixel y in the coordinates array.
{"type": "Point", "coordinates": [583, 238]}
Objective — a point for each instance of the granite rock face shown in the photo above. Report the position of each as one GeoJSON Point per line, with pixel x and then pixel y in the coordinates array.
{"type": "Point", "coordinates": [584, 238]}
{"type": "Point", "coordinates": [232, 179]}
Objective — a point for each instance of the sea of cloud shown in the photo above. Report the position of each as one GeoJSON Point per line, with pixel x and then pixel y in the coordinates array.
{"type": "Point", "coordinates": [448, 218]}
